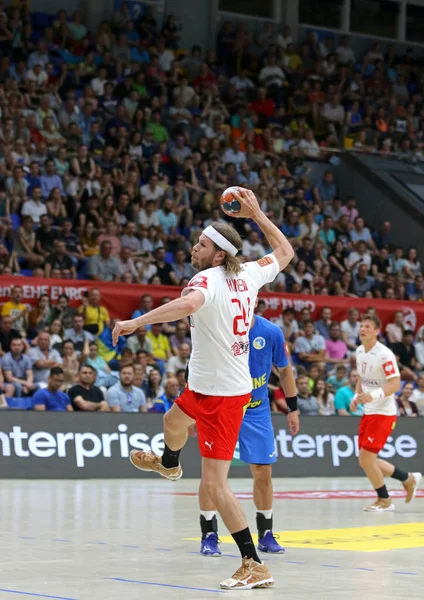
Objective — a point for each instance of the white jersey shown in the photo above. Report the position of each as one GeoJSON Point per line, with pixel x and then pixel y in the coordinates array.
{"type": "Point", "coordinates": [219, 363]}
{"type": "Point", "coordinates": [375, 368]}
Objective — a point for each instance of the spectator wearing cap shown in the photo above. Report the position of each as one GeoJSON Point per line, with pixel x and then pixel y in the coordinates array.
{"type": "Point", "coordinates": [124, 396]}
{"type": "Point", "coordinates": [51, 398]}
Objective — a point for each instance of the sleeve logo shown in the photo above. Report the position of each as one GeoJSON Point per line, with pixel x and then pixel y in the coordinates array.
{"type": "Point", "coordinates": [286, 349]}
{"type": "Point", "coordinates": [388, 368]}
{"type": "Point", "coordinates": [199, 281]}
{"type": "Point", "coordinates": [263, 262]}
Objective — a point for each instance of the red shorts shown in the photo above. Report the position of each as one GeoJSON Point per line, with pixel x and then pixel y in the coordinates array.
{"type": "Point", "coordinates": [374, 431]}
{"type": "Point", "coordinates": [218, 421]}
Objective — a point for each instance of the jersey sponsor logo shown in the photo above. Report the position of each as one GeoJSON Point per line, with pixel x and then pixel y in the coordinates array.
{"type": "Point", "coordinates": [240, 348]}
{"type": "Point", "coordinates": [371, 382]}
{"type": "Point", "coordinates": [199, 281]}
{"type": "Point", "coordinates": [259, 343]}
{"type": "Point", "coordinates": [389, 368]}
{"type": "Point", "coordinates": [263, 262]}
{"type": "Point", "coordinates": [254, 403]}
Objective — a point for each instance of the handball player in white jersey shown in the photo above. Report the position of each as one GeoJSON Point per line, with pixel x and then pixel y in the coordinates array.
{"type": "Point", "coordinates": [220, 300]}
{"type": "Point", "coordinates": [378, 381]}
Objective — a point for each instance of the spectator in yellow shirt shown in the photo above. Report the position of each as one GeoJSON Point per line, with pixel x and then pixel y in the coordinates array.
{"type": "Point", "coordinates": [96, 317]}
{"type": "Point", "coordinates": [16, 310]}
{"type": "Point", "coordinates": [160, 343]}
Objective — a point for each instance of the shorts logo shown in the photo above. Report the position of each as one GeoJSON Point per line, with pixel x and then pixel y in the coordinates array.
{"type": "Point", "coordinates": [370, 439]}
{"type": "Point", "coordinates": [209, 445]}
{"type": "Point", "coordinates": [388, 368]}
{"type": "Point", "coordinates": [259, 343]}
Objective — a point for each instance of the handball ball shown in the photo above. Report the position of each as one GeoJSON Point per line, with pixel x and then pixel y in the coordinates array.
{"type": "Point", "coordinates": [229, 204]}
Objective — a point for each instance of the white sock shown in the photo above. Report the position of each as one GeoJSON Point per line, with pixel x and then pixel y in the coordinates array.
{"type": "Point", "coordinates": [208, 514]}
{"type": "Point", "coordinates": [266, 513]}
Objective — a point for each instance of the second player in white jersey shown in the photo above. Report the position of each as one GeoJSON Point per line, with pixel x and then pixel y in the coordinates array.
{"type": "Point", "coordinates": [375, 368]}
{"type": "Point", "coordinates": [219, 364]}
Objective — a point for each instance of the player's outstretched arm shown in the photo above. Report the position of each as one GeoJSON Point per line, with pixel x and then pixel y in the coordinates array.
{"type": "Point", "coordinates": [172, 311]}
{"type": "Point", "coordinates": [282, 249]}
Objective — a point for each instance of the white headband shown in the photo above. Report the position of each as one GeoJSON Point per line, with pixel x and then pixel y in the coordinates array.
{"type": "Point", "coordinates": [220, 240]}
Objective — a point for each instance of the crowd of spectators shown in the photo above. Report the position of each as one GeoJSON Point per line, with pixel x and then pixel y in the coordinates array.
{"type": "Point", "coordinates": [58, 358]}
{"type": "Point", "coordinates": [116, 145]}
{"type": "Point", "coordinates": [115, 148]}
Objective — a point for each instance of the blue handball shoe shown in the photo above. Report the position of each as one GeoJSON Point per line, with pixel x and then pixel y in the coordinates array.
{"type": "Point", "coordinates": [209, 546]}
{"type": "Point", "coordinates": [269, 544]}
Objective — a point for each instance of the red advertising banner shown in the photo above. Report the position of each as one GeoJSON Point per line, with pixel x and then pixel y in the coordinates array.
{"type": "Point", "coordinates": [123, 299]}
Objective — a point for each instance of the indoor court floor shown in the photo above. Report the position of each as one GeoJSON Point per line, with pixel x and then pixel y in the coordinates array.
{"type": "Point", "coordinates": [136, 539]}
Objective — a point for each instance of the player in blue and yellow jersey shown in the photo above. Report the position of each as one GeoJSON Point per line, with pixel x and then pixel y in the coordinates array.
{"type": "Point", "coordinates": [256, 437]}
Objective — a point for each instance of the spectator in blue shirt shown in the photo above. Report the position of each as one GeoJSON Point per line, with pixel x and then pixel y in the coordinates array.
{"type": "Point", "coordinates": [344, 397]}
{"type": "Point", "coordinates": [291, 228]}
{"type": "Point", "coordinates": [165, 402]}
{"type": "Point", "coordinates": [326, 190]}
{"type": "Point", "coordinates": [34, 177]}
{"type": "Point", "coordinates": [327, 235]}
{"type": "Point", "coordinates": [50, 180]}
{"type": "Point", "coordinates": [51, 398]}
{"type": "Point", "coordinates": [361, 233]}
{"type": "Point", "coordinates": [166, 217]}
{"type": "Point", "coordinates": [124, 396]}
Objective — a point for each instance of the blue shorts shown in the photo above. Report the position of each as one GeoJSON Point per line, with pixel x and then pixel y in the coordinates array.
{"type": "Point", "coordinates": [257, 442]}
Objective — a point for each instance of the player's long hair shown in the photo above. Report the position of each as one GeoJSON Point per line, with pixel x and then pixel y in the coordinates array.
{"type": "Point", "coordinates": [231, 264]}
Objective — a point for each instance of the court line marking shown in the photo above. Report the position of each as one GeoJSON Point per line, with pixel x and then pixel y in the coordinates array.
{"type": "Point", "coordinates": [168, 585]}
{"type": "Point", "coordinates": [35, 595]}
{"type": "Point", "coordinates": [402, 573]}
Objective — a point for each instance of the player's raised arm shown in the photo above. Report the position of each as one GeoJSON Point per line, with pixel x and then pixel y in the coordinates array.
{"type": "Point", "coordinates": [172, 311]}
{"type": "Point", "coordinates": [250, 209]}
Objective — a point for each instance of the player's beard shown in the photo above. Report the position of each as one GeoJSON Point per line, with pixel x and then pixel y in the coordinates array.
{"type": "Point", "coordinates": [202, 263]}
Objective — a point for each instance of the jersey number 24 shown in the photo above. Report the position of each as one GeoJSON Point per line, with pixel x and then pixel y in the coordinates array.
{"type": "Point", "coordinates": [241, 321]}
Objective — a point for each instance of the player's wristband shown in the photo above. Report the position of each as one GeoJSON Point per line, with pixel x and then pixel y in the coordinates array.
{"type": "Point", "coordinates": [378, 394]}
{"type": "Point", "coordinates": [292, 403]}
